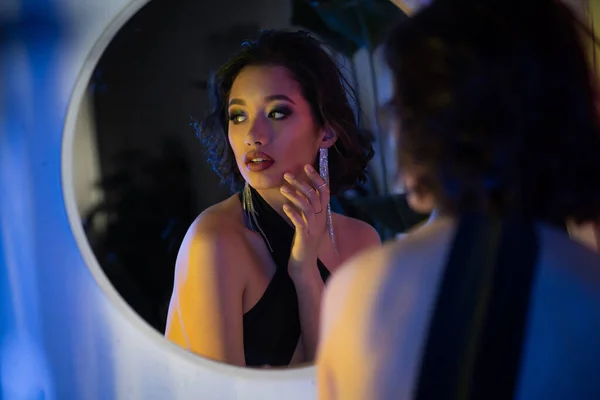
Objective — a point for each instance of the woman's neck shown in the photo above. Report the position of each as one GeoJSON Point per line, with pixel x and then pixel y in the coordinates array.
{"type": "Point", "coordinates": [276, 200]}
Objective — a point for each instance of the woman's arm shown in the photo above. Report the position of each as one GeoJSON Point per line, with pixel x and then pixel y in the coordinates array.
{"type": "Point", "coordinates": [310, 286]}
{"type": "Point", "coordinates": [205, 313]}
{"type": "Point", "coordinates": [309, 289]}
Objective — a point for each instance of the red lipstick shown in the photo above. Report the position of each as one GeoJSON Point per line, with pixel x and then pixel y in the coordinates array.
{"type": "Point", "coordinates": [257, 161]}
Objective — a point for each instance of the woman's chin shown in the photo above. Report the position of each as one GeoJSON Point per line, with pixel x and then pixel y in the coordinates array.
{"type": "Point", "coordinates": [264, 182]}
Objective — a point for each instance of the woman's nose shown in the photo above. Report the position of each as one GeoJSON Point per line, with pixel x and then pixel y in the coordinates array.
{"type": "Point", "coordinates": [257, 134]}
{"type": "Point", "coordinates": [253, 139]}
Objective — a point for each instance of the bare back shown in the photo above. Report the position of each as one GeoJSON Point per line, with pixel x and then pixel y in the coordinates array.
{"type": "Point", "coordinates": [378, 310]}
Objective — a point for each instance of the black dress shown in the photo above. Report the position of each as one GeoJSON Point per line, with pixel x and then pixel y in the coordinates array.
{"type": "Point", "coordinates": [272, 326]}
{"type": "Point", "coordinates": [475, 340]}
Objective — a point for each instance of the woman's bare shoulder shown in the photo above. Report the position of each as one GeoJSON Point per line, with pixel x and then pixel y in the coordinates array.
{"type": "Point", "coordinates": [569, 270]}
{"type": "Point", "coordinates": [223, 217]}
{"type": "Point", "coordinates": [373, 287]}
{"type": "Point", "coordinates": [419, 246]}
{"type": "Point", "coordinates": [406, 264]}
{"type": "Point", "coordinates": [565, 312]}
{"type": "Point", "coordinates": [355, 236]}
{"type": "Point", "coordinates": [211, 235]}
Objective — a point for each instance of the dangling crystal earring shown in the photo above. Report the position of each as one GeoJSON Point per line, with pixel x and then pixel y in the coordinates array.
{"type": "Point", "coordinates": [251, 215]}
{"type": "Point", "coordinates": [324, 172]}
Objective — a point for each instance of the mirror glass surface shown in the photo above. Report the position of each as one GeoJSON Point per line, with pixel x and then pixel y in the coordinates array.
{"type": "Point", "coordinates": [142, 177]}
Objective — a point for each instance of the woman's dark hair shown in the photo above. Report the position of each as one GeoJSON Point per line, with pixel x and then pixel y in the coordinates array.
{"type": "Point", "coordinates": [497, 108]}
{"type": "Point", "coordinates": [324, 88]}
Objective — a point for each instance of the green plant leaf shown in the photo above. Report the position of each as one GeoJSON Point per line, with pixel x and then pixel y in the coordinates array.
{"type": "Point", "coordinates": [365, 23]}
{"type": "Point", "coordinates": [304, 15]}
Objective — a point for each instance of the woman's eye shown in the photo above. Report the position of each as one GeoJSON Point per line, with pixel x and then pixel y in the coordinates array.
{"type": "Point", "coordinates": [237, 118]}
{"type": "Point", "coordinates": [279, 114]}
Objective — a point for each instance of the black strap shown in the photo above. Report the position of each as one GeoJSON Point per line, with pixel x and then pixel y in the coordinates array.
{"type": "Point", "coordinates": [473, 349]}
{"type": "Point", "coordinates": [272, 328]}
{"type": "Point", "coordinates": [278, 234]}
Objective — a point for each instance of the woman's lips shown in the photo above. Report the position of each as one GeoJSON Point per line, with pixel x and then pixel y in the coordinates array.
{"type": "Point", "coordinates": [259, 166]}
{"type": "Point", "coordinates": [257, 161]}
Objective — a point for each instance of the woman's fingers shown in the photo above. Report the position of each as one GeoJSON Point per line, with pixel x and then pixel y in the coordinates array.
{"type": "Point", "coordinates": [298, 200]}
{"type": "Point", "coordinates": [306, 189]}
{"type": "Point", "coordinates": [297, 219]}
{"type": "Point", "coordinates": [319, 184]}
{"type": "Point", "coordinates": [309, 199]}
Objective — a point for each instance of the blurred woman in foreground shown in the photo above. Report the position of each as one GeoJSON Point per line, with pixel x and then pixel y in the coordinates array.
{"type": "Point", "coordinates": [491, 299]}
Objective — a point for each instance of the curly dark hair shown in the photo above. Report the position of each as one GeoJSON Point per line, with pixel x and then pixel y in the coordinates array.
{"type": "Point", "coordinates": [324, 88]}
{"type": "Point", "coordinates": [497, 109]}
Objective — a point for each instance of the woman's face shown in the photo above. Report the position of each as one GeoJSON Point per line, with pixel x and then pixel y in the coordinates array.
{"type": "Point", "coordinates": [271, 127]}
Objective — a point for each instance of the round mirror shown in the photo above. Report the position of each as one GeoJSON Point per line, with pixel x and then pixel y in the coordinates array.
{"type": "Point", "coordinates": [83, 323]}
{"type": "Point", "coordinates": [136, 177]}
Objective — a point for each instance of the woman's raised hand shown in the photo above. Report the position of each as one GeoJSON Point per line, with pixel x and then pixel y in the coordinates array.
{"type": "Point", "coordinates": [307, 211]}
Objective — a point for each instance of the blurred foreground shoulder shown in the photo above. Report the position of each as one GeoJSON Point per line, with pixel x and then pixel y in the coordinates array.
{"type": "Point", "coordinates": [366, 262]}
{"type": "Point", "coordinates": [363, 270]}
{"type": "Point", "coordinates": [419, 252]}
{"type": "Point", "coordinates": [342, 322]}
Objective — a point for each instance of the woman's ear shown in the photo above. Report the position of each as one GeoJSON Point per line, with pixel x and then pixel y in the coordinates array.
{"type": "Point", "coordinates": [328, 138]}
{"type": "Point", "coordinates": [418, 200]}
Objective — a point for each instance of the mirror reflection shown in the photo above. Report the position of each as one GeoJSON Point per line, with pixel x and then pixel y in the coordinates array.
{"type": "Point", "coordinates": [227, 163]}
{"type": "Point", "coordinates": [282, 130]}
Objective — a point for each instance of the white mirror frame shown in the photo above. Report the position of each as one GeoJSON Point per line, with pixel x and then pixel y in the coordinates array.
{"type": "Point", "coordinates": [67, 333]}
